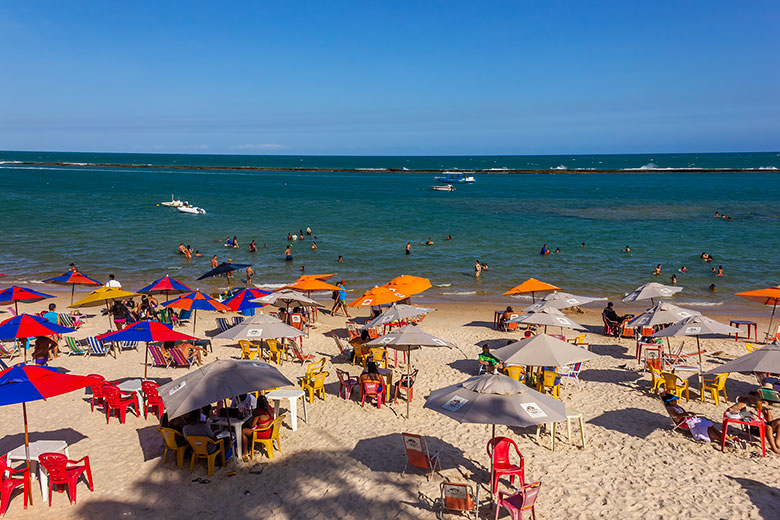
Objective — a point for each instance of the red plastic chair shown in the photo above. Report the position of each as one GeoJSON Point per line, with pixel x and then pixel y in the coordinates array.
{"type": "Point", "coordinates": [406, 384]}
{"type": "Point", "coordinates": [115, 400]}
{"type": "Point", "coordinates": [153, 399]}
{"type": "Point", "coordinates": [346, 383]}
{"type": "Point", "coordinates": [9, 483]}
{"type": "Point", "coordinates": [374, 388]}
{"type": "Point", "coordinates": [758, 423]}
{"type": "Point", "coordinates": [97, 389]}
{"type": "Point", "coordinates": [64, 472]}
{"type": "Point", "coordinates": [610, 327]}
{"type": "Point", "coordinates": [498, 449]}
{"type": "Point", "coordinates": [516, 503]}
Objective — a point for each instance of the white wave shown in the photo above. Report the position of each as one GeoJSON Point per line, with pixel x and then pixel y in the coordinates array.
{"type": "Point", "coordinates": [371, 169]}
{"type": "Point", "coordinates": [36, 282]}
{"type": "Point", "coordinates": [526, 297]}
{"type": "Point", "coordinates": [767, 168]}
{"type": "Point", "coordinates": [497, 169]}
{"type": "Point", "coordinates": [10, 162]}
{"type": "Point", "coordinates": [560, 167]}
{"type": "Point", "coordinates": [700, 304]}
{"type": "Point", "coordinates": [459, 293]}
{"type": "Point", "coordinates": [269, 285]}
{"type": "Point", "coordinates": [443, 284]}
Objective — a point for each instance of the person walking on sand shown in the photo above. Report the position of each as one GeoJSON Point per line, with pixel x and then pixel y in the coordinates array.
{"type": "Point", "coordinates": [341, 300]}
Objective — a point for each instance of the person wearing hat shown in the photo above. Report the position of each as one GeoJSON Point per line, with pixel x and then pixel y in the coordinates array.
{"type": "Point", "coordinates": [741, 410]}
{"type": "Point", "coordinates": [341, 301]}
{"type": "Point", "coordinates": [701, 429]}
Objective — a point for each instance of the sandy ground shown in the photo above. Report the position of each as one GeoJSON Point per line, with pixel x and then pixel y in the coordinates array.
{"type": "Point", "coordinates": [347, 461]}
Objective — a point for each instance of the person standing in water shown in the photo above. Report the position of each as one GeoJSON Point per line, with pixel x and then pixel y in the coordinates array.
{"type": "Point", "coordinates": [477, 268]}
{"type": "Point", "coordinates": [408, 248]}
{"type": "Point", "coordinates": [249, 273]}
{"type": "Point", "coordinates": [288, 254]}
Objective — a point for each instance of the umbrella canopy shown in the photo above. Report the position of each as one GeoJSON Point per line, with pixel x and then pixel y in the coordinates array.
{"type": "Point", "coordinates": [559, 300]}
{"type": "Point", "coordinates": [165, 285]}
{"type": "Point", "coordinates": [377, 296]}
{"type": "Point", "coordinates": [661, 313]}
{"type": "Point", "coordinates": [542, 351]}
{"type": "Point", "coordinates": [697, 325]}
{"type": "Point", "coordinates": [533, 286]}
{"type": "Point", "coordinates": [72, 278]}
{"type": "Point", "coordinates": [768, 296]}
{"type": "Point", "coordinates": [649, 291]}
{"type": "Point", "coordinates": [397, 312]}
{"type": "Point", "coordinates": [547, 316]}
{"type": "Point", "coordinates": [24, 383]}
{"type": "Point", "coordinates": [408, 284]}
{"type": "Point", "coordinates": [765, 359]}
{"type": "Point", "coordinates": [244, 300]}
{"type": "Point", "coordinates": [223, 268]}
{"type": "Point", "coordinates": [20, 294]}
{"type": "Point", "coordinates": [102, 295]}
{"type": "Point", "coordinates": [146, 331]}
{"type": "Point", "coordinates": [260, 326]}
{"type": "Point", "coordinates": [311, 285]}
{"type": "Point", "coordinates": [218, 380]}
{"type": "Point", "coordinates": [28, 326]}
{"type": "Point", "coordinates": [322, 277]}
{"type": "Point", "coordinates": [286, 297]}
{"type": "Point", "coordinates": [196, 300]}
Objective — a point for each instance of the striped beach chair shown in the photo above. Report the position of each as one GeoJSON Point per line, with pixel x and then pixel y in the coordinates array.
{"type": "Point", "coordinates": [158, 358]}
{"type": "Point", "coordinates": [74, 348]}
{"type": "Point", "coordinates": [237, 320]}
{"type": "Point", "coordinates": [9, 352]}
{"type": "Point", "coordinates": [178, 359]}
{"type": "Point", "coordinates": [223, 324]}
{"type": "Point", "coordinates": [97, 347]}
{"type": "Point", "coordinates": [128, 345]}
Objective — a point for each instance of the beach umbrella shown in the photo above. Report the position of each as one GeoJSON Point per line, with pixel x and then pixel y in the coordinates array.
{"type": "Point", "coordinates": [146, 331]}
{"type": "Point", "coordinates": [218, 380]}
{"type": "Point", "coordinates": [765, 360]}
{"type": "Point", "coordinates": [408, 284]}
{"type": "Point", "coordinates": [322, 277]}
{"type": "Point", "coordinates": [495, 399]}
{"type": "Point", "coordinates": [72, 278]}
{"type": "Point", "coordinates": [25, 383]}
{"type": "Point", "coordinates": [196, 301]}
{"type": "Point", "coordinates": [697, 325]}
{"type": "Point", "coordinates": [165, 285]}
{"type": "Point", "coordinates": [650, 291]}
{"type": "Point", "coordinates": [20, 294]}
{"type": "Point", "coordinates": [661, 313]}
{"type": "Point", "coordinates": [542, 351]}
{"type": "Point", "coordinates": [377, 296]}
{"type": "Point", "coordinates": [406, 339]}
{"type": "Point", "coordinates": [224, 268]}
{"type": "Point", "coordinates": [244, 300]}
{"type": "Point", "coordinates": [547, 316]}
{"type": "Point", "coordinates": [28, 326]}
{"type": "Point", "coordinates": [768, 296]}
{"type": "Point", "coordinates": [559, 300]}
{"type": "Point", "coordinates": [395, 313]}
{"type": "Point", "coordinates": [102, 296]}
{"type": "Point", "coordinates": [533, 286]}
{"type": "Point", "coordinates": [258, 327]}
{"type": "Point", "coordinates": [310, 285]}
{"type": "Point", "coordinates": [286, 297]}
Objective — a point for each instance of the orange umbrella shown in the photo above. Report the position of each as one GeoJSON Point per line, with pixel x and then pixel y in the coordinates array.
{"type": "Point", "coordinates": [768, 296]}
{"type": "Point", "coordinates": [322, 277]}
{"type": "Point", "coordinates": [377, 296]}
{"type": "Point", "coordinates": [408, 284]}
{"type": "Point", "coordinates": [311, 284]}
{"type": "Point", "coordinates": [532, 285]}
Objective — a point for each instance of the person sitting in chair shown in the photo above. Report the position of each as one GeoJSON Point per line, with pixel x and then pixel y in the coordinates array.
{"type": "Point", "coordinates": [195, 427]}
{"type": "Point", "coordinates": [701, 429]}
{"type": "Point", "coordinates": [489, 361]}
{"type": "Point", "coordinates": [506, 316]}
{"type": "Point", "coordinates": [614, 319]}
{"type": "Point", "coordinates": [262, 417]}
{"type": "Point", "coordinates": [371, 373]}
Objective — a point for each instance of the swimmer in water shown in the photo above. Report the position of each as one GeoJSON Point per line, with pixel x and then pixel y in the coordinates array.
{"type": "Point", "coordinates": [314, 246]}
{"type": "Point", "coordinates": [288, 254]}
{"type": "Point", "coordinates": [557, 249]}
{"type": "Point", "coordinates": [657, 270]}
{"type": "Point", "coordinates": [341, 259]}
{"type": "Point", "coordinates": [197, 253]}
{"type": "Point", "coordinates": [308, 231]}
{"type": "Point", "coordinates": [713, 287]}
{"type": "Point", "coordinates": [302, 268]}
{"type": "Point", "coordinates": [544, 250]}
{"type": "Point", "coordinates": [674, 279]}
{"type": "Point", "coordinates": [429, 242]}
{"type": "Point", "coordinates": [449, 237]}
{"type": "Point", "coordinates": [477, 268]}
{"type": "Point", "coordinates": [626, 249]}
{"type": "Point", "coordinates": [720, 271]}
{"type": "Point", "coordinates": [408, 248]}
{"type": "Point", "coordinates": [484, 267]}
{"type": "Point", "coordinates": [683, 269]}
{"type": "Point", "coordinates": [582, 245]}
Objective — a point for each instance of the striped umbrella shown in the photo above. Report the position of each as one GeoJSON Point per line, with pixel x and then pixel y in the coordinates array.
{"type": "Point", "coordinates": [196, 301]}
{"type": "Point", "coordinates": [165, 285]}
{"type": "Point", "coordinates": [20, 294]}
{"type": "Point", "coordinates": [242, 300]}
{"type": "Point", "coordinates": [28, 326]}
{"type": "Point", "coordinates": [73, 278]}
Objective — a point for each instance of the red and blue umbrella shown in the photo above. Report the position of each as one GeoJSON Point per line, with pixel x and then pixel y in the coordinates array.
{"type": "Point", "coordinates": [146, 331]}
{"type": "Point", "coordinates": [242, 300]}
{"type": "Point", "coordinates": [165, 285]}
{"type": "Point", "coordinates": [196, 301]}
{"type": "Point", "coordinates": [28, 326]}
{"type": "Point", "coordinates": [20, 294]}
{"type": "Point", "coordinates": [72, 278]}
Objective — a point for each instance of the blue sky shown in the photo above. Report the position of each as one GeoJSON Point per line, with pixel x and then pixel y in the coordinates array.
{"type": "Point", "coordinates": [455, 77]}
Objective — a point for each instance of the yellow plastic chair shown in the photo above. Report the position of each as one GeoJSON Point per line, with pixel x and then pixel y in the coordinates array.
{"type": "Point", "coordinates": [750, 347]}
{"type": "Point", "coordinates": [172, 444]}
{"type": "Point", "coordinates": [248, 349]}
{"type": "Point", "coordinates": [200, 450]}
{"type": "Point", "coordinates": [361, 354]}
{"type": "Point", "coordinates": [515, 372]}
{"type": "Point", "coordinates": [676, 385]}
{"type": "Point", "coordinates": [715, 385]}
{"type": "Point", "coordinates": [548, 382]}
{"type": "Point", "coordinates": [263, 392]}
{"type": "Point", "coordinates": [313, 368]}
{"type": "Point", "coordinates": [268, 444]}
{"type": "Point", "coordinates": [379, 356]}
{"type": "Point", "coordinates": [315, 385]}
{"type": "Point", "coordinates": [657, 381]}
{"type": "Point", "coordinates": [276, 351]}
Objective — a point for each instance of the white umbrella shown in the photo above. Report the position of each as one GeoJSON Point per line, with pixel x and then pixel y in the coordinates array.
{"type": "Point", "coordinates": [285, 298]}
{"type": "Point", "coordinates": [696, 326]}
{"type": "Point", "coordinates": [542, 351]}
{"type": "Point", "coordinates": [661, 313]}
{"type": "Point", "coordinates": [547, 316]}
{"type": "Point", "coordinates": [559, 300]}
{"type": "Point", "coordinates": [765, 359]}
{"type": "Point", "coordinates": [397, 312]}
{"type": "Point", "coordinates": [649, 291]}
{"type": "Point", "coordinates": [260, 326]}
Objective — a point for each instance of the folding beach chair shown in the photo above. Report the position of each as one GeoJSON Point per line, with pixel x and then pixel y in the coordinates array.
{"type": "Point", "coordinates": [128, 345]}
{"type": "Point", "coordinates": [418, 455]}
{"type": "Point", "coordinates": [158, 358]}
{"type": "Point", "coordinates": [66, 320]}
{"type": "Point", "coordinates": [458, 497]}
{"type": "Point", "coordinates": [74, 348]}
{"type": "Point", "coordinates": [223, 324]}
{"type": "Point", "coordinates": [178, 359]}
{"type": "Point", "coordinates": [237, 320]}
{"type": "Point", "coordinates": [9, 352]}
{"type": "Point", "coordinates": [97, 347]}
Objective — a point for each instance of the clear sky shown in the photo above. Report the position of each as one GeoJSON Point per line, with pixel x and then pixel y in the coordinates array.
{"type": "Point", "coordinates": [392, 77]}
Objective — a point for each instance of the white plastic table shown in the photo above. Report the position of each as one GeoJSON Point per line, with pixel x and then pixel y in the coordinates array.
{"type": "Point", "coordinates": [134, 385]}
{"type": "Point", "coordinates": [36, 449]}
{"type": "Point", "coordinates": [292, 396]}
{"type": "Point", "coordinates": [237, 423]}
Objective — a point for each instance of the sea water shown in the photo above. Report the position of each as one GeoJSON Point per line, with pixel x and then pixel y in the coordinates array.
{"type": "Point", "coordinates": [107, 220]}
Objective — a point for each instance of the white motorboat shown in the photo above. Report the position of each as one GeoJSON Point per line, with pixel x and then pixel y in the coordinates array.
{"type": "Point", "coordinates": [186, 207]}
{"type": "Point", "coordinates": [174, 203]}
{"type": "Point", "coordinates": [443, 187]}
{"type": "Point", "coordinates": [454, 178]}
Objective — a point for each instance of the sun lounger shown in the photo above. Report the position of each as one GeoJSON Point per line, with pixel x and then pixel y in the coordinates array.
{"type": "Point", "coordinates": [9, 352]}
{"type": "Point", "coordinates": [178, 359]}
{"type": "Point", "coordinates": [74, 348]}
{"type": "Point", "coordinates": [158, 359]}
{"type": "Point", "coordinates": [97, 347]}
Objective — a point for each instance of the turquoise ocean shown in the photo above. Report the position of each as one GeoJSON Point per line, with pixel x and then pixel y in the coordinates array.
{"type": "Point", "coordinates": [107, 220]}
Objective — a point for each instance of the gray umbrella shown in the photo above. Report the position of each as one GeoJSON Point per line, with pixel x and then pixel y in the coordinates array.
{"type": "Point", "coordinates": [406, 339]}
{"type": "Point", "coordinates": [218, 380]}
{"type": "Point", "coordinates": [697, 325]}
{"type": "Point", "coordinates": [547, 316]}
{"type": "Point", "coordinates": [559, 300]}
{"type": "Point", "coordinates": [765, 359]}
{"type": "Point", "coordinates": [397, 312]}
{"type": "Point", "coordinates": [495, 399]}
{"type": "Point", "coordinates": [661, 313]}
{"type": "Point", "coordinates": [285, 298]}
{"type": "Point", "coordinates": [649, 291]}
{"type": "Point", "coordinates": [542, 351]}
{"type": "Point", "coordinates": [260, 326]}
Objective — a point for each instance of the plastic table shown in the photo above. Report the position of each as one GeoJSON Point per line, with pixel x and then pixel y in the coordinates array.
{"type": "Point", "coordinates": [292, 396]}
{"type": "Point", "coordinates": [134, 385]}
{"type": "Point", "coordinates": [36, 449]}
{"type": "Point", "coordinates": [237, 423]}
{"type": "Point", "coordinates": [749, 324]}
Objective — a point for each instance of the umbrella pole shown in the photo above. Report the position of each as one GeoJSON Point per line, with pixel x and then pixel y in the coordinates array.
{"type": "Point", "coordinates": [230, 432]}
{"type": "Point", "coordinates": [492, 457]}
{"type": "Point", "coordinates": [194, 319]}
{"type": "Point", "coordinates": [408, 364]}
{"type": "Point", "coordinates": [771, 318]}
{"type": "Point", "coordinates": [16, 307]}
{"type": "Point", "coordinates": [533, 300]}
{"type": "Point", "coordinates": [72, 292]}
{"type": "Point", "coordinates": [146, 360]}
{"type": "Point", "coordinates": [27, 444]}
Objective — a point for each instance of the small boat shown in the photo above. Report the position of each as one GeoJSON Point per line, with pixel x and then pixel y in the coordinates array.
{"type": "Point", "coordinates": [455, 178]}
{"type": "Point", "coordinates": [186, 207]}
{"type": "Point", "coordinates": [174, 203]}
{"type": "Point", "coordinates": [443, 187]}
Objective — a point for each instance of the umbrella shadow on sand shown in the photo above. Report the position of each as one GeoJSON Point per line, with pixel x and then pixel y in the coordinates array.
{"type": "Point", "coordinates": [69, 435]}
{"type": "Point", "coordinates": [611, 350]}
{"type": "Point", "coordinates": [626, 378]}
{"type": "Point", "coordinates": [765, 498]}
{"type": "Point", "coordinates": [476, 323]}
{"type": "Point", "coordinates": [150, 441]}
{"type": "Point", "coordinates": [635, 422]}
